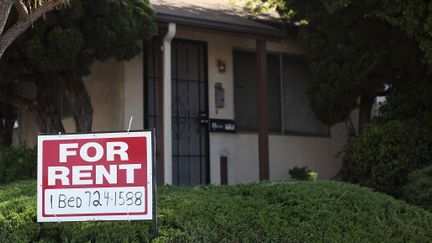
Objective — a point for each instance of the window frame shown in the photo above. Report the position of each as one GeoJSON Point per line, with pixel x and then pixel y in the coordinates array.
{"type": "Point", "coordinates": [282, 132]}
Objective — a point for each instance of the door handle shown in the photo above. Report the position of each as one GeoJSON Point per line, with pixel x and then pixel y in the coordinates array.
{"type": "Point", "coordinates": [204, 121]}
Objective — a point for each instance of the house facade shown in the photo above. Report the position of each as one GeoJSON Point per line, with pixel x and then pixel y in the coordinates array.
{"type": "Point", "coordinates": [225, 92]}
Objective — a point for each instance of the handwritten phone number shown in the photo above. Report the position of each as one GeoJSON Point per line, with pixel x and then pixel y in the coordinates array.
{"type": "Point", "coordinates": [97, 198]}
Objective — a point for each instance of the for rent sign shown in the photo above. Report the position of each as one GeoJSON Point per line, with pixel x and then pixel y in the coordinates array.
{"type": "Point", "coordinates": [105, 176]}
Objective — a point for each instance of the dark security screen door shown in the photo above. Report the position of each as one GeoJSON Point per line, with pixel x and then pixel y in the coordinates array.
{"type": "Point", "coordinates": [189, 108]}
{"type": "Point", "coordinates": [189, 112]}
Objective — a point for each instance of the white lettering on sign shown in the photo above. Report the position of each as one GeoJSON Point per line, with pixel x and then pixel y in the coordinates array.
{"type": "Point", "coordinates": [130, 178]}
{"type": "Point", "coordinates": [110, 176]}
{"type": "Point", "coordinates": [62, 175]}
{"type": "Point", "coordinates": [64, 152]}
{"type": "Point", "coordinates": [82, 174]}
{"type": "Point", "coordinates": [112, 148]}
{"type": "Point", "coordinates": [118, 148]}
{"type": "Point", "coordinates": [84, 152]}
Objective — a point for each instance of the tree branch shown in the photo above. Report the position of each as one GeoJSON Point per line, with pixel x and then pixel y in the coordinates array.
{"type": "Point", "coordinates": [44, 8]}
{"type": "Point", "coordinates": [23, 23]}
{"type": "Point", "coordinates": [24, 77]}
{"type": "Point", "coordinates": [17, 101]}
{"type": "Point", "coordinates": [21, 9]}
{"type": "Point", "coordinates": [5, 6]}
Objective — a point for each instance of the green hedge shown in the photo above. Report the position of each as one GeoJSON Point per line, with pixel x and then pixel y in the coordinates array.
{"type": "Point", "coordinates": [17, 163]}
{"type": "Point", "coordinates": [385, 152]}
{"type": "Point", "coordinates": [261, 212]}
{"type": "Point", "coordinates": [418, 190]}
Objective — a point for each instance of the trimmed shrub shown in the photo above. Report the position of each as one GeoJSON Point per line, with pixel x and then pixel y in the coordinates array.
{"type": "Point", "coordinates": [259, 212]}
{"type": "Point", "coordinates": [18, 222]}
{"type": "Point", "coordinates": [17, 163]}
{"type": "Point", "coordinates": [385, 152]}
{"type": "Point", "coordinates": [302, 174]}
{"type": "Point", "coordinates": [418, 189]}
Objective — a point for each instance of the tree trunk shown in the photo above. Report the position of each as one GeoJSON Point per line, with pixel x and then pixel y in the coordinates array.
{"type": "Point", "coordinates": [365, 110]}
{"type": "Point", "coordinates": [46, 109]}
{"type": "Point", "coordinates": [5, 7]}
{"type": "Point", "coordinates": [79, 101]}
{"type": "Point", "coordinates": [8, 117]}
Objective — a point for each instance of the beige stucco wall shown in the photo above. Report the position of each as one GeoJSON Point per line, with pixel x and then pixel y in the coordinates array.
{"type": "Point", "coordinates": [133, 93]}
{"type": "Point", "coordinates": [317, 153]}
{"type": "Point", "coordinates": [106, 88]}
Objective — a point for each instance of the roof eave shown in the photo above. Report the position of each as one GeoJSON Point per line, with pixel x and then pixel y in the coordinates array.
{"type": "Point", "coordinates": [221, 26]}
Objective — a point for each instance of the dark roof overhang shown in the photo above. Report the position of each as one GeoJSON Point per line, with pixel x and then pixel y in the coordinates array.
{"type": "Point", "coordinates": [259, 29]}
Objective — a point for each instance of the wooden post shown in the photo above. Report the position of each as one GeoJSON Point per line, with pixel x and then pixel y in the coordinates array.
{"type": "Point", "coordinates": [224, 170]}
{"type": "Point", "coordinates": [262, 109]}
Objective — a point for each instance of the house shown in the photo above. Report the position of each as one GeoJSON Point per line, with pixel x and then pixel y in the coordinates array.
{"type": "Point", "coordinates": [225, 91]}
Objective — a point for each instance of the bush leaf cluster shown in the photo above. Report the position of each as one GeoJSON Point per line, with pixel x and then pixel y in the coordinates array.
{"type": "Point", "coordinates": [385, 152]}
{"type": "Point", "coordinates": [418, 189]}
{"type": "Point", "coordinates": [259, 212]}
{"type": "Point", "coordinates": [302, 174]}
{"type": "Point", "coordinates": [17, 163]}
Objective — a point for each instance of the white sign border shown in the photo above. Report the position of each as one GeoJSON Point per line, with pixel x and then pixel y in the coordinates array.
{"type": "Point", "coordinates": [147, 134]}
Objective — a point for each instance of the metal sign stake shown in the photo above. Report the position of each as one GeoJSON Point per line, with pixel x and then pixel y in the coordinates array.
{"type": "Point", "coordinates": [154, 178]}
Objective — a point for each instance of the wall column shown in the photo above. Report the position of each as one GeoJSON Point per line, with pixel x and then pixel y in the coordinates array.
{"type": "Point", "coordinates": [262, 109]}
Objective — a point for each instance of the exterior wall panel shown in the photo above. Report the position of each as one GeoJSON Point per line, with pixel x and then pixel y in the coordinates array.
{"type": "Point", "coordinates": [133, 93]}
{"type": "Point", "coordinates": [106, 88]}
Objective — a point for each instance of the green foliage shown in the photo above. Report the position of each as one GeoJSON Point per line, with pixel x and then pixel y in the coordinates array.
{"type": "Point", "coordinates": [59, 52]}
{"type": "Point", "coordinates": [385, 152]}
{"type": "Point", "coordinates": [112, 28]}
{"type": "Point", "coordinates": [60, 48]}
{"type": "Point", "coordinates": [418, 189]}
{"type": "Point", "coordinates": [357, 48]}
{"type": "Point", "coordinates": [414, 17]}
{"type": "Point", "coordinates": [261, 212]}
{"type": "Point", "coordinates": [17, 163]}
{"type": "Point", "coordinates": [299, 173]}
{"type": "Point", "coordinates": [331, 101]}
{"type": "Point", "coordinates": [302, 174]}
{"type": "Point", "coordinates": [410, 103]}
{"type": "Point", "coordinates": [70, 39]}
{"type": "Point", "coordinates": [352, 56]}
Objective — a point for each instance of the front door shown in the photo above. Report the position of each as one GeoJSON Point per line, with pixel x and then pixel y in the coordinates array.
{"type": "Point", "coordinates": [190, 148]}
{"type": "Point", "coordinates": [189, 113]}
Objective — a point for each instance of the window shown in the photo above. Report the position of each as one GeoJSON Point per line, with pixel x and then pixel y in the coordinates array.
{"type": "Point", "coordinates": [289, 110]}
{"type": "Point", "coordinates": [246, 89]}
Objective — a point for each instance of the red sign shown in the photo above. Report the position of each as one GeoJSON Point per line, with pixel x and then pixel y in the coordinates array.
{"type": "Point", "coordinates": [105, 176]}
